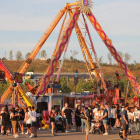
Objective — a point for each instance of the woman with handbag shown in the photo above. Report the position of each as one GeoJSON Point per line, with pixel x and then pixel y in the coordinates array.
{"type": "Point", "coordinates": [83, 118]}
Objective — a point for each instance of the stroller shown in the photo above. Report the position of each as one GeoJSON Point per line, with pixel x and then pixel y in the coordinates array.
{"type": "Point", "coordinates": [59, 125]}
{"type": "Point", "coordinates": [97, 127]}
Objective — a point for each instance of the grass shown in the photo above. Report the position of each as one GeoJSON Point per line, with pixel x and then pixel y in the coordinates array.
{"type": "Point", "coordinates": [39, 66]}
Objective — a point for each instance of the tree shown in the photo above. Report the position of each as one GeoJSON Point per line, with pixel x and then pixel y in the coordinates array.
{"type": "Point", "coordinates": [19, 55]}
{"type": "Point", "coordinates": [27, 54]}
{"type": "Point", "coordinates": [127, 57]}
{"type": "Point", "coordinates": [43, 53]}
{"type": "Point", "coordinates": [38, 55]}
{"type": "Point", "coordinates": [71, 58]}
{"type": "Point", "coordinates": [121, 54]}
{"type": "Point", "coordinates": [109, 58]}
{"type": "Point", "coordinates": [101, 60]}
{"type": "Point", "coordinates": [11, 55]}
{"type": "Point", "coordinates": [73, 54]}
{"type": "Point", "coordinates": [64, 85]}
{"type": "Point", "coordinates": [4, 58]}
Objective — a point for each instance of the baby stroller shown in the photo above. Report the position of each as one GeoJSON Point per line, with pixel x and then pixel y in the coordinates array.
{"type": "Point", "coordinates": [59, 125]}
{"type": "Point", "coordinates": [97, 127]}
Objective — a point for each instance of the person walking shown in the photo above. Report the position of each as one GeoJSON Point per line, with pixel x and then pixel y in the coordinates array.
{"type": "Point", "coordinates": [113, 116]}
{"type": "Point", "coordinates": [109, 117]}
{"type": "Point", "coordinates": [28, 120]}
{"type": "Point", "coordinates": [21, 120]}
{"type": "Point", "coordinates": [88, 118]}
{"type": "Point", "coordinates": [52, 120]}
{"type": "Point", "coordinates": [105, 118]}
{"type": "Point", "coordinates": [135, 118]}
{"type": "Point", "coordinates": [2, 122]}
{"type": "Point", "coordinates": [125, 122]}
{"type": "Point", "coordinates": [5, 121]}
{"type": "Point", "coordinates": [68, 115]}
{"type": "Point", "coordinates": [118, 122]}
{"type": "Point", "coordinates": [77, 118]}
{"type": "Point", "coordinates": [25, 117]}
{"type": "Point", "coordinates": [34, 121]}
{"type": "Point", "coordinates": [15, 116]}
{"type": "Point", "coordinates": [83, 119]}
{"type": "Point", "coordinates": [63, 115]}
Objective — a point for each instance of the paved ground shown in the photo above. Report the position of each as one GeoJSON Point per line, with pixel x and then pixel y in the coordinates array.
{"type": "Point", "coordinates": [46, 134]}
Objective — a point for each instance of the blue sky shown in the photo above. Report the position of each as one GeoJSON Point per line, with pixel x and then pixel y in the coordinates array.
{"type": "Point", "coordinates": [22, 23]}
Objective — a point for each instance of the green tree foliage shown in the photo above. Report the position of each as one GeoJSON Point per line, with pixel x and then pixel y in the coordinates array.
{"type": "Point", "coordinates": [64, 84]}
{"type": "Point", "coordinates": [67, 85]}
{"type": "Point", "coordinates": [3, 86]}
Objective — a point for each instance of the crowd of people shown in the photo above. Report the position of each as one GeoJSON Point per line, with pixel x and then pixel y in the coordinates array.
{"type": "Point", "coordinates": [15, 120]}
{"type": "Point", "coordinates": [100, 118]}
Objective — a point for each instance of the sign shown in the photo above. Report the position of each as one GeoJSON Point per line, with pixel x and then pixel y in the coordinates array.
{"type": "Point", "coordinates": [56, 102]}
{"type": "Point", "coordinates": [56, 85]}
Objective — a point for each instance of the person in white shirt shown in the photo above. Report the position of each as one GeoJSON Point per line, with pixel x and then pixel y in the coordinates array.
{"type": "Point", "coordinates": [130, 118]}
{"type": "Point", "coordinates": [28, 120]}
{"type": "Point", "coordinates": [2, 126]}
{"type": "Point", "coordinates": [136, 117]}
{"type": "Point", "coordinates": [34, 121]}
{"type": "Point", "coordinates": [113, 116]}
{"type": "Point", "coordinates": [63, 115]}
{"type": "Point", "coordinates": [95, 110]}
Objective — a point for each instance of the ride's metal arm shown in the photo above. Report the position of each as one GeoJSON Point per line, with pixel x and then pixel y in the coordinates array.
{"type": "Point", "coordinates": [7, 72]}
{"type": "Point", "coordinates": [83, 52]}
{"type": "Point", "coordinates": [93, 66]}
{"type": "Point", "coordinates": [113, 51]}
{"type": "Point", "coordinates": [96, 59]}
{"type": "Point", "coordinates": [82, 49]}
{"type": "Point", "coordinates": [64, 40]}
{"type": "Point", "coordinates": [36, 49]}
{"type": "Point", "coordinates": [62, 32]}
{"type": "Point", "coordinates": [41, 41]}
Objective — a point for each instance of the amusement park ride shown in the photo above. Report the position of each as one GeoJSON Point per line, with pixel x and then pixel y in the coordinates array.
{"type": "Point", "coordinates": [73, 10]}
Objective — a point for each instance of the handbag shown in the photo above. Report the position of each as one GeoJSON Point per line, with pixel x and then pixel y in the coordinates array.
{"type": "Point", "coordinates": [82, 116]}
